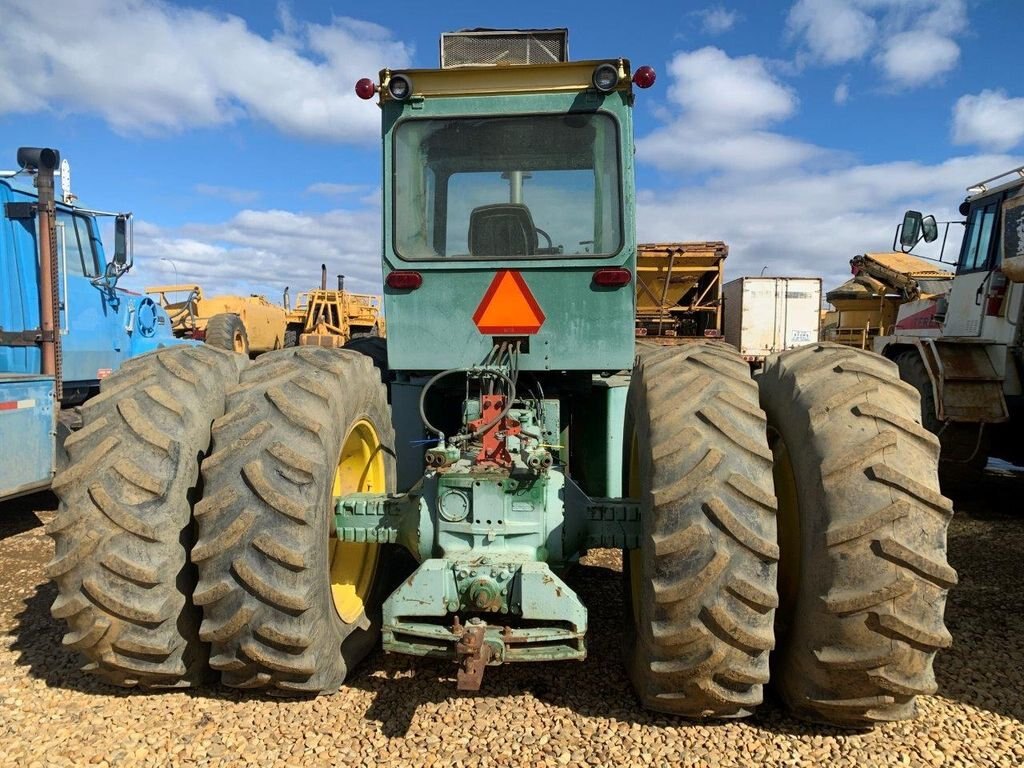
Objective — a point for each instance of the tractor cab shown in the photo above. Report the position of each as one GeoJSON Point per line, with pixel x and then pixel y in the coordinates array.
{"type": "Point", "coordinates": [509, 208]}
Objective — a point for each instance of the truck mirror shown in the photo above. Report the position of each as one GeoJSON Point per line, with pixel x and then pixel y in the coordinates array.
{"type": "Point", "coordinates": [911, 231]}
{"type": "Point", "coordinates": [929, 229]}
{"type": "Point", "coordinates": [121, 242]}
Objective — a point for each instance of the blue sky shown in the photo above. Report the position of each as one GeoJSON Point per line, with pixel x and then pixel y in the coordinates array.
{"type": "Point", "coordinates": [797, 132]}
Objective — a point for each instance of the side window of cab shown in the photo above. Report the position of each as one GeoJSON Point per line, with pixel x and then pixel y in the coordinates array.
{"type": "Point", "coordinates": [76, 242]}
{"type": "Point", "coordinates": [68, 246]}
{"type": "Point", "coordinates": [87, 242]}
{"type": "Point", "coordinates": [976, 253]}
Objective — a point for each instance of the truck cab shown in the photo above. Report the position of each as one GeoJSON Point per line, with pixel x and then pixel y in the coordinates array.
{"type": "Point", "coordinates": [98, 325]}
{"type": "Point", "coordinates": [963, 349]}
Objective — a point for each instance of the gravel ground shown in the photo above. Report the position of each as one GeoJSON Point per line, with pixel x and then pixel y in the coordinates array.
{"type": "Point", "coordinates": [397, 712]}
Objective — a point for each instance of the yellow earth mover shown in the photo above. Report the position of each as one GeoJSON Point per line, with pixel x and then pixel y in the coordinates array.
{"type": "Point", "coordinates": [331, 318]}
{"type": "Point", "coordinates": [246, 324]}
{"type": "Point", "coordinates": [866, 305]}
{"type": "Point", "coordinates": [679, 289]}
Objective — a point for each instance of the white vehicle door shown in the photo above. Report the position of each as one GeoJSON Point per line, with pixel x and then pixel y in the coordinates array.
{"type": "Point", "coordinates": [973, 272]}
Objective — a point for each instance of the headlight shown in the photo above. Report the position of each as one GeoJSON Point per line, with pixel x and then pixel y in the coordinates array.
{"type": "Point", "coordinates": [606, 77]}
{"type": "Point", "coordinates": [400, 87]}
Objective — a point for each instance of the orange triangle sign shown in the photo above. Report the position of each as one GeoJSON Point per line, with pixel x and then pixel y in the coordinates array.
{"type": "Point", "coordinates": [508, 306]}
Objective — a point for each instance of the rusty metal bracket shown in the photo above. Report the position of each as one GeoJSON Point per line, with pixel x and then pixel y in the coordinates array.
{"type": "Point", "coordinates": [474, 654]}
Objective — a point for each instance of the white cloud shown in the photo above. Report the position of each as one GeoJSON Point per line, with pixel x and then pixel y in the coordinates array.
{"type": "Point", "coordinates": [262, 251]}
{"type": "Point", "coordinates": [717, 20]}
{"type": "Point", "coordinates": [149, 67]}
{"type": "Point", "coordinates": [912, 40]}
{"type": "Point", "coordinates": [333, 189]}
{"type": "Point", "coordinates": [841, 94]}
{"type": "Point", "coordinates": [693, 148]}
{"type": "Point", "coordinates": [808, 222]}
{"type": "Point", "coordinates": [725, 104]}
{"type": "Point", "coordinates": [715, 88]}
{"type": "Point", "coordinates": [835, 31]}
{"type": "Point", "coordinates": [914, 58]}
{"type": "Point", "coordinates": [816, 208]}
{"type": "Point", "coordinates": [989, 119]}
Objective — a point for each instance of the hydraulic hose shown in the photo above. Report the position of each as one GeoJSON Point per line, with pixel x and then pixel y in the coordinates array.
{"type": "Point", "coordinates": [510, 398]}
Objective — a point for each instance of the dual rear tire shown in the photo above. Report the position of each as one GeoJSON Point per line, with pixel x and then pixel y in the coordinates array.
{"type": "Point", "coordinates": [862, 575]}
{"type": "Point", "coordinates": [140, 559]}
{"type": "Point", "coordinates": [286, 606]}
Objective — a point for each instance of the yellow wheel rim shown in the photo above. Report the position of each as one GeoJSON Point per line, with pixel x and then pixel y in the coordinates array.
{"type": "Point", "coordinates": [352, 566]}
{"type": "Point", "coordinates": [635, 555]}
{"type": "Point", "coordinates": [238, 342]}
{"type": "Point", "coordinates": [789, 528]}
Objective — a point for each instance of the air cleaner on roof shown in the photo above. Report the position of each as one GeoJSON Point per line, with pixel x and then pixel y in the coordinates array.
{"type": "Point", "coordinates": [500, 47]}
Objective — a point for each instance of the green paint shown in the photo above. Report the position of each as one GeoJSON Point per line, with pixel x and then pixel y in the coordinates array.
{"type": "Point", "coordinates": [542, 184]}
{"type": "Point", "coordinates": [586, 327]}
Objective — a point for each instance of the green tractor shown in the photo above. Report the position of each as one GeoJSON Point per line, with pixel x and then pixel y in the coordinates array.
{"type": "Point", "coordinates": [797, 517]}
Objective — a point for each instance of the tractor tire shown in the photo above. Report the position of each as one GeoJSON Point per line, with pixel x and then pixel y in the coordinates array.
{"type": "Point", "coordinates": [227, 331]}
{"type": "Point", "coordinates": [963, 452]}
{"type": "Point", "coordinates": [267, 558]}
{"type": "Point", "coordinates": [123, 529]}
{"type": "Point", "coordinates": [375, 348]}
{"type": "Point", "coordinates": [862, 529]}
{"type": "Point", "coordinates": [700, 590]}
{"type": "Point", "coordinates": [291, 337]}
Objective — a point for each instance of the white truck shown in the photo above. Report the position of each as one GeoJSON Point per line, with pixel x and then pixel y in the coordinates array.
{"type": "Point", "coordinates": [964, 350]}
{"type": "Point", "coordinates": [764, 315]}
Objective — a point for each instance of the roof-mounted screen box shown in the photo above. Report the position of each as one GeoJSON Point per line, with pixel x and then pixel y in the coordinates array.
{"type": "Point", "coordinates": [502, 47]}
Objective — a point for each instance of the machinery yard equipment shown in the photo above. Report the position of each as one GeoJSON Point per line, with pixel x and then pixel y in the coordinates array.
{"type": "Point", "coordinates": [326, 318]}
{"type": "Point", "coordinates": [248, 325]}
{"type": "Point", "coordinates": [765, 315]}
{"type": "Point", "coordinates": [679, 289]}
{"type": "Point", "coordinates": [64, 323]}
{"type": "Point", "coordinates": [867, 304]}
{"type": "Point", "coordinates": [524, 427]}
{"type": "Point", "coordinates": [962, 349]}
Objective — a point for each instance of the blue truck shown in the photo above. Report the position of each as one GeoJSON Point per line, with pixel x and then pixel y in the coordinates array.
{"type": "Point", "coordinates": [64, 323]}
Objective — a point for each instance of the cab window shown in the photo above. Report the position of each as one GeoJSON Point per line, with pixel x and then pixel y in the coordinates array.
{"type": "Point", "coordinates": [530, 186]}
{"type": "Point", "coordinates": [978, 238]}
{"type": "Point", "coordinates": [88, 245]}
{"type": "Point", "coordinates": [68, 245]}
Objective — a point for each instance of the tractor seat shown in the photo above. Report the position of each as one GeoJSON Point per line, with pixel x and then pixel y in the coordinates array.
{"type": "Point", "coordinates": [504, 229]}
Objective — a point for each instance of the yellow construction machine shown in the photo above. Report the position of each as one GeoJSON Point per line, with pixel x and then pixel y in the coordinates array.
{"type": "Point", "coordinates": [866, 305]}
{"type": "Point", "coordinates": [246, 324]}
{"type": "Point", "coordinates": [330, 318]}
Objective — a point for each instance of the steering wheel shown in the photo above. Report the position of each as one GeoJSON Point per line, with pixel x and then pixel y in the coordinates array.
{"type": "Point", "coordinates": [546, 236]}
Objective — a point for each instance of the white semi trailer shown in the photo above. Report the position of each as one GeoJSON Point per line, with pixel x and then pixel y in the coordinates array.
{"type": "Point", "coordinates": [764, 315]}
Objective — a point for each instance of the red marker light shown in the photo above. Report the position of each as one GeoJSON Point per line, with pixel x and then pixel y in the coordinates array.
{"type": "Point", "coordinates": [613, 278]}
{"type": "Point", "coordinates": [644, 77]}
{"type": "Point", "coordinates": [366, 88]}
{"type": "Point", "coordinates": [404, 280]}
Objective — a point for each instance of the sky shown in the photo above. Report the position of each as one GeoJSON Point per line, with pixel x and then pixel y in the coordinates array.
{"type": "Point", "coordinates": [797, 132]}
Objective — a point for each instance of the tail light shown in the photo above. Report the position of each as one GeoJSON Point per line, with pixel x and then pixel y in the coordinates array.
{"type": "Point", "coordinates": [404, 280]}
{"type": "Point", "coordinates": [613, 277]}
{"type": "Point", "coordinates": [996, 294]}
